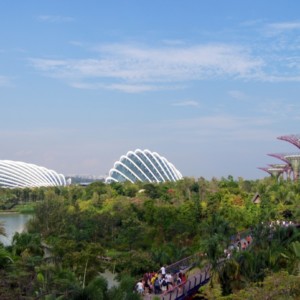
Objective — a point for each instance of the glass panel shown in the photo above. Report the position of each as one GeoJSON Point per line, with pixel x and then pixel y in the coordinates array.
{"type": "Point", "coordinates": [143, 165]}
{"type": "Point", "coordinates": [126, 172]}
{"type": "Point", "coordinates": [134, 169]}
{"type": "Point", "coordinates": [161, 173]}
{"type": "Point", "coordinates": [118, 177]}
{"type": "Point", "coordinates": [164, 166]}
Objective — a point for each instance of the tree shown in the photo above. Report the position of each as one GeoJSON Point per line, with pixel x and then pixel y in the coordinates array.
{"type": "Point", "coordinates": [95, 290]}
{"type": "Point", "coordinates": [5, 258]}
{"type": "Point", "coordinates": [27, 243]}
{"type": "Point", "coordinates": [292, 255]}
{"type": "Point", "coordinates": [276, 286]}
{"type": "Point", "coordinates": [131, 232]}
{"type": "Point", "coordinates": [214, 250]}
{"type": "Point", "coordinates": [151, 190]}
{"type": "Point", "coordinates": [125, 291]}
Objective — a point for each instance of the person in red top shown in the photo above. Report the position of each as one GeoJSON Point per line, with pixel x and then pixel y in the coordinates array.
{"type": "Point", "coordinates": [248, 239]}
{"type": "Point", "coordinates": [244, 246]}
{"type": "Point", "coordinates": [183, 278]}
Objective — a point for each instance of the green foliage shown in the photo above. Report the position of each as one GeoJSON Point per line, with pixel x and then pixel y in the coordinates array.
{"type": "Point", "coordinates": [276, 286]}
{"type": "Point", "coordinates": [26, 208]}
{"type": "Point", "coordinates": [5, 258]}
{"type": "Point", "coordinates": [136, 228]}
{"type": "Point", "coordinates": [26, 244]}
{"type": "Point", "coordinates": [125, 291]}
{"type": "Point", "coordinates": [95, 290]}
{"type": "Point", "coordinates": [151, 190]}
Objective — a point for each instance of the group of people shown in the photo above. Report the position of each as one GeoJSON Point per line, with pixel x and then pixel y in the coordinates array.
{"type": "Point", "coordinates": [281, 223]}
{"type": "Point", "coordinates": [159, 282]}
{"type": "Point", "coordinates": [238, 245]}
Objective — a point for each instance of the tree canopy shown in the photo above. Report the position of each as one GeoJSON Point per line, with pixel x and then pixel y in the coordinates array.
{"type": "Point", "coordinates": [135, 228]}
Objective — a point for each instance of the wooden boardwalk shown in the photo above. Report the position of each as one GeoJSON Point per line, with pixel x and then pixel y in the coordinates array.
{"type": "Point", "coordinates": [183, 290]}
{"type": "Point", "coordinates": [194, 281]}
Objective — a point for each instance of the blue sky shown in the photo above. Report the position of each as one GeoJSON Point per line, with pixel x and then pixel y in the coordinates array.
{"type": "Point", "coordinates": [210, 85]}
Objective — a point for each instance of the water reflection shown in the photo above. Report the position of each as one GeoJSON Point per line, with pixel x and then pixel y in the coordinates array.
{"type": "Point", "coordinates": [13, 222]}
{"type": "Point", "coordinates": [110, 277]}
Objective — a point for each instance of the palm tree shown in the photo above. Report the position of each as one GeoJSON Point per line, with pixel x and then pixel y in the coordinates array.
{"type": "Point", "coordinates": [95, 290]}
{"type": "Point", "coordinates": [214, 250]}
{"type": "Point", "coordinates": [230, 276]}
{"type": "Point", "coordinates": [161, 255]}
{"type": "Point", "coordinates": [27, 242]}
{"type": "Point", "coordinates": [292, 255]}
{"type": "Point", "coordinates": [5, 258]}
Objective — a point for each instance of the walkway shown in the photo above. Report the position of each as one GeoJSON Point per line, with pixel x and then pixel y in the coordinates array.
{"type": "Point", "coordinates": [192, 284]}
{"type": "Point", "coordinates": [183, 290]}
{"type": "Point", "coordinates": [196, 280]}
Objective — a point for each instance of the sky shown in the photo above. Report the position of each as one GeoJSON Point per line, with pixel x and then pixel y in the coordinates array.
{"type": "Point", "coordinates": [208, 84]}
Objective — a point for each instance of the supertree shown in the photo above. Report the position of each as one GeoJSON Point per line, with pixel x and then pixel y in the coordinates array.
{"type": "Point", "coordinates": [292, 138]}
{"type": "Point", "coordinates": [274, 172]}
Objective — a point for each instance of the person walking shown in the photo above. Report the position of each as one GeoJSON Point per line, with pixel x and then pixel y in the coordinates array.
{"type": "Point", "coordinates": [140, 287]}
{"type": "Point", "coordinates": [163, 271]}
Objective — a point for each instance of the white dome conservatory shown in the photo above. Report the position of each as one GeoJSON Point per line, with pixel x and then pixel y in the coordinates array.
{"type": "Point", "coordinates": [16, 174]}
{"type": "Point", "coordinates": [143, 165]}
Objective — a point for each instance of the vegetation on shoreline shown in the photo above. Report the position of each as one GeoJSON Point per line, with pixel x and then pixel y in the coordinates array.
{"type": "Point", "coordinates": [22, 208]}
{"type": "Point", "coordinates": [135, 228]}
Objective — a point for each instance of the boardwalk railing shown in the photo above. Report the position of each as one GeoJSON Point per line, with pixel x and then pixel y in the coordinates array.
{"type": "Point", "coordinates": [184, 264]}
{"type": "Point", "coordinates": [196, 280]}
{"type": "Point", "coordinates": [187, 288]}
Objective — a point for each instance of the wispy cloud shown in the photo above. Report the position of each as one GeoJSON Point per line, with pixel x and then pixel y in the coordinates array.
{"type": "Point", "coordinates": [187, 103]}
{"type": "Point", "coordinates": [129, 66]}
{"type": "Point", "coordinates": [238, 95]}
{"type": "Point", "coordinates": [251, 23]}
{"type": "Point", "coordinates": [278, 78]}
{"type": "Point", "coordinates": [284, 26]}
{"type": "Point", "coordinates": [55, 19]}
{"type": "Point", "coordinates": [223, 122]}
{"type": "Point", "coordinates": [225, 127]}
{"type": "Point", "coordinates": [138, 88]}
{"type": "Point", "coordinates": [5, 81]}
{"type": "Point", "coordinates": [127, 88]}
{"type": "Point", "coordinates": [279, 108]}
{"type": "Point", "coordinates": [281, 29]}
{"type": "Point", "coordinates": [33, 133]}
{"type": "Point", "coordinates": [174, 42]}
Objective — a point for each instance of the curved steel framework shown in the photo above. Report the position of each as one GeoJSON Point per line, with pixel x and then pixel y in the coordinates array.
{"type": "Point", "coordinates": [279, 166]}
{"type": "Point", "coordinates": [275, 172]}
{"type": "Point", "coordinates": [143, 165]}
{"type": "Point", "coordinates": [15, 174]}
{"type": "Point", "coordinates": [293, 139]}
{"type": "Point", "coordinates": [294, 160]}
{"type": "Point", "coordinates": [280, 156]}
{"type": "Point", "coordinates": [293, 163]}
{"type": "Point", "coordinates": [264, 169]}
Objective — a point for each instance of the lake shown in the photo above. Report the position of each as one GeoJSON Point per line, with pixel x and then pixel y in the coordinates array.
{"type": "Point", "coordinates": [13, 222]}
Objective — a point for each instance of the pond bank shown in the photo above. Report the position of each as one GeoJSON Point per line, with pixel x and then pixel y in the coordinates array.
{"type": "Point", "coordinates": [13, 222]}
{"type": "Point", "coordinates": [24, 208]}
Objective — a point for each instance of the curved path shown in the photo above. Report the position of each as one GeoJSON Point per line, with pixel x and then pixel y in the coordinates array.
{"type": "Point", "coordinates": [196, 280]}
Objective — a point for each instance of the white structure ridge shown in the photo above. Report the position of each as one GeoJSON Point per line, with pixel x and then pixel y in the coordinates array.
{"type": "Point", "coordinates": [17, 174]}
{"type": "Point", "coordinates": [143, 165]}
